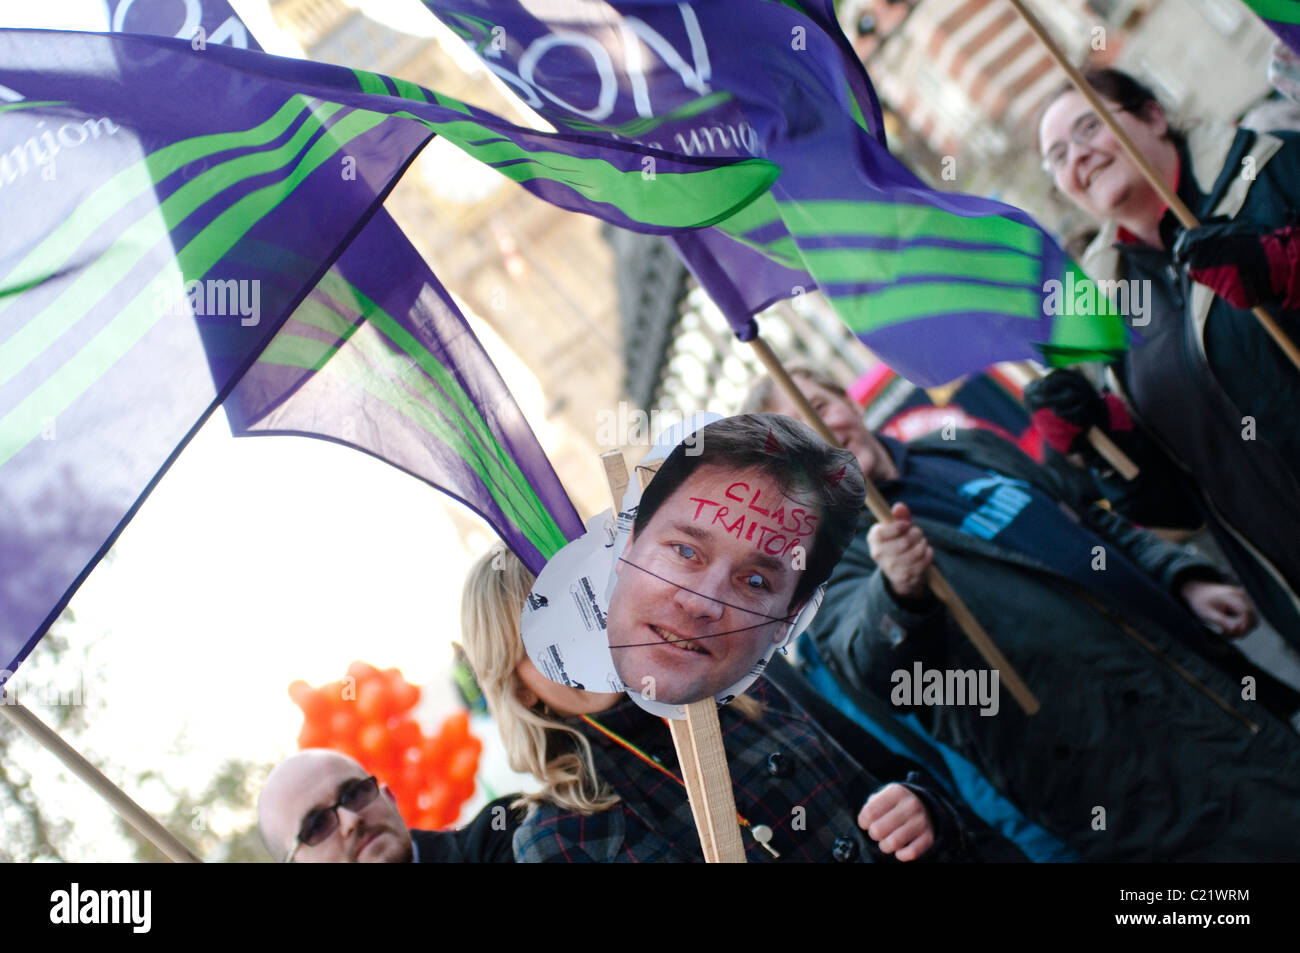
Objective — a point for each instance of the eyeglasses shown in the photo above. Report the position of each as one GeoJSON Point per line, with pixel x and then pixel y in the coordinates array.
{"type": "Point", "coordinates": [319, 824]}
{"type": "Point", "coordinates": [1083, 132]}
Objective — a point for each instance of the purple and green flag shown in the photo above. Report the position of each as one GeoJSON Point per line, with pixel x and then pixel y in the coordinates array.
{"type": "Point", "coordinates": [1280, 16]}
{"type": "Point", "coordinates": [938, 284]}
{"type": "Point", "coordinates": [378, 358]}
{"type": "Point", "coordinates": [168, 206]}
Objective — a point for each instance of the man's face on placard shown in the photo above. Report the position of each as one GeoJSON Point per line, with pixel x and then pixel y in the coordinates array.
{"type": "Point", "coordinates": [704, 589]}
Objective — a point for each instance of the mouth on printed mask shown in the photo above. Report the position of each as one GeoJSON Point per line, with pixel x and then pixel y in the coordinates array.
{"type": "Point", "coordinates": [677, 642]}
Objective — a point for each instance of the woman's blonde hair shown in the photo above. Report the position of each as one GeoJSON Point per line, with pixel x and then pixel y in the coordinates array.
{"type": "Point", "coordinates": [553, 752]}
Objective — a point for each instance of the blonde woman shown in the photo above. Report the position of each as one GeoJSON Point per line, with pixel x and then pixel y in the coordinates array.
{"type": "Point", "coordinates": [522, 700]}
{"type": "Point", "coordinates": [611, 788]}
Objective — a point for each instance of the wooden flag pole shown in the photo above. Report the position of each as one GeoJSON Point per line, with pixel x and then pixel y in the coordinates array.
{"type": "Point", "coordinates": [1170, 197]}
{"type": "Point", "coordinates": [698, 739]}
{"type": "Point", "coordinates": [880, 510]}
{"type": "Point", "coordinates": [117, 799]}
{"type": "Point", "coordinates": [1107, 448]}
{"type": "Point", "coordinates": [1112, 454]}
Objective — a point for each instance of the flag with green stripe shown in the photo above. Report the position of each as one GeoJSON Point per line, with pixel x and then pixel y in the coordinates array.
{"type": "Point", "coordinates": [166, 209]}
{"type": "Point", "coordinates": [1282, 17]}
{"type": "Point", "coordinates": [938, 284]}
{"type": "Point", "coordinates": [393, 369]}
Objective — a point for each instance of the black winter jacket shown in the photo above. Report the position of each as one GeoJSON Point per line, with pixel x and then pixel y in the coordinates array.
{"type": "Point", "coordinates": [1143, 748]}
{"type": "Point", "coordinates": [1217, 401]}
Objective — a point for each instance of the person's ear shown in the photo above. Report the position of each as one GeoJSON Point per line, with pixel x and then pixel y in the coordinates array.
{"type": "Point", "coordinates": [523, 694]}
{"type": "Point", "coordinates": [1154, 116]}
{"type": "Point", "coordinates": [387, 792]}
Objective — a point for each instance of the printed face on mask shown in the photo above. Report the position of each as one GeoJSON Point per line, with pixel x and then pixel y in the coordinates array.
{"type": "Point", "coordinates": [704, 589]}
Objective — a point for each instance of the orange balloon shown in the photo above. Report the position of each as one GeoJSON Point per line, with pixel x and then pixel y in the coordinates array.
{"type": "Point", "coordinates": [437, 752]}
{"type": "Point", "coordinates": [412, 777]}
{"type": "Point", "coordinates": [405, 696]}
{"type": "Point", "coordinates": [335, 696]}
{"type": "Point", "coordinates": [362, 671]}
{"type": "Point", "coordinates": [343, 724]}
{"type": "Point", "coordinates": [315, 708]}
{"type": "Point", "coordinates": [313, 736]}
{"type": "Point", "coordinates": [405, 732]}
{"type": "Point", "coordinates": [437, 798]}
{"type": "Point", "coordinates": [349, 748]}
{"type": "Point", "coordinates": [373, 741]}
{"type": "Point", "coordinates": [374, 701]}
{"type": "Point", "coordinates": [456, 728]}
{"type": "Point", "coordinates": [464, 764]}
{"type": "Point", "coordinates": [300, 692]}
{"type": "Point", "coordinates": [447, 815]}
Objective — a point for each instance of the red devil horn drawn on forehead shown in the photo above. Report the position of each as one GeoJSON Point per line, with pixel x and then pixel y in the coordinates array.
{"type": "Point", "coordinates": [772, 445]}
{"type": "Point", "coordinates": [834, 478]}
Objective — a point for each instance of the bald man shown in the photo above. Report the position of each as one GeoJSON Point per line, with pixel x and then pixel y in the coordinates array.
{"type": "Point", "coordinates": [321, 807]}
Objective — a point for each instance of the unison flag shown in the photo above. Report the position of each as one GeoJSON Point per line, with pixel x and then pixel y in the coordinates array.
{"type": "Point", "coordinates": [378, 358]}
{"type": "Point", "coordinates": [166, 208]}
{"type": "Point", "coordinates": [937, 284]}
{"type": "Point", "coordinates": [1280, 16]}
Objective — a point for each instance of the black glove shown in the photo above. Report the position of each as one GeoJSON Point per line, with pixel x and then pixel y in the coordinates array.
{"type": "Point", "coordinates": [1245, 265]}
{"type": "Point", "coordinates": [1063, 406]}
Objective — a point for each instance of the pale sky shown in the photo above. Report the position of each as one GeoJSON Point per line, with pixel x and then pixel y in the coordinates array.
{"type": "Point", "coordinates": [253, 563]}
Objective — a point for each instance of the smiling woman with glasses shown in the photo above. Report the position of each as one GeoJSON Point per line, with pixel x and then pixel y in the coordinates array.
{"type": "Point", "coordinates": [1204, 401]}
{"type": "Point", "coordinates": [1089, 166]}
{"type": "Point", "coordinates": [1081, 133]}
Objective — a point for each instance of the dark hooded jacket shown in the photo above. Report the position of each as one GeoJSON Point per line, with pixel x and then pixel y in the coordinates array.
{"type": "Point", "coordinates": [1144, 748]}
{"type": "Point", "coordinates": [1218, 402]}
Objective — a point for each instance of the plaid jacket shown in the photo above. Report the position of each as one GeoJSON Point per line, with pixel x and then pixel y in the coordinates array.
{"type": "Point", "coordinates": [785, 771]}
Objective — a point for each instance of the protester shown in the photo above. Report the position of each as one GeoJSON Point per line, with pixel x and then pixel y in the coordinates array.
{"type": "Point", "coordinates": [321, 807]}
{"type": "Point", "coordinates": [1205, 400]}
{"type": "Point", "coordinates": [611, 785]}
{"type": "Point", "coordinates": [1144, 748]}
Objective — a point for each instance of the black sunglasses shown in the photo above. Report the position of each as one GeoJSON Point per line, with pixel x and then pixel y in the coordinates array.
{"type": "Point", "coordinates": [319, 824]}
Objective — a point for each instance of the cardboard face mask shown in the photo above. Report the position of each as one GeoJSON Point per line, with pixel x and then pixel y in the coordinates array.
{"type": "Point", "coordinates": [691, 607]}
